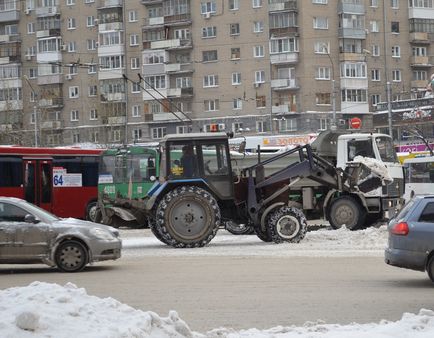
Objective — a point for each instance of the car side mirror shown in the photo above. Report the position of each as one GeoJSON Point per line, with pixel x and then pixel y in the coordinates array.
{"type": "Point", "coordinates": [29, 218]}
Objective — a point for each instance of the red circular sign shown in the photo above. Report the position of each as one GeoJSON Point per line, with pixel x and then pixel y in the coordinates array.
{"type": "Point", "coordinates": [356, 123]}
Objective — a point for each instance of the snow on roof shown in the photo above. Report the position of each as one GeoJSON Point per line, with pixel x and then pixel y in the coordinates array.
{"type": "Point", "coordinates": [51, 310]}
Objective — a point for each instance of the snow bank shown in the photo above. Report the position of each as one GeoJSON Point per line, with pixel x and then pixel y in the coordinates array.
{"type": "Point", "coordinates": [51, 310]}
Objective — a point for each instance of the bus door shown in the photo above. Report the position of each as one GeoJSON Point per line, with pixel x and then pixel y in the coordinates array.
{"type": "Point", "coordinates": [38, 183]}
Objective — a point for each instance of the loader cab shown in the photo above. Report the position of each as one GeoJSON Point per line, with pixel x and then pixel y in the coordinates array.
{"type": "Point", "coordinates": [198, 159]}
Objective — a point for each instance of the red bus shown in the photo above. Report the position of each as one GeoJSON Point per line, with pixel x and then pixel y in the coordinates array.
{"type": "Point", "coordinates": [63, 181]}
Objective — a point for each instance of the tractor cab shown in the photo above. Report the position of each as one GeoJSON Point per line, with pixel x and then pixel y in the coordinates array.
{"type": "Point", "coordinates": [202, 157]}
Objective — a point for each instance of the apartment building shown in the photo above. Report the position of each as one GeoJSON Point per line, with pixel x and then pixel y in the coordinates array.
{"type": "Point", "coordinates": [113, 71]}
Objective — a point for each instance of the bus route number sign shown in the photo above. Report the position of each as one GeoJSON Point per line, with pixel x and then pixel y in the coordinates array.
{"type": "Point", "coordinates": [62, 179]}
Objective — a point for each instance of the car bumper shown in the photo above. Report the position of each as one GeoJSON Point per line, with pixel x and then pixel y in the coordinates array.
{"type": "Point", "coordinates": [405, 259]}
{"type": "Point", "coordinates": [107, 251]}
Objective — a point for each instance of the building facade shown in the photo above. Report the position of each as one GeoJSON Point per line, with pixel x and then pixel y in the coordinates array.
{"type": "Point", "coordinates": [114, 71]}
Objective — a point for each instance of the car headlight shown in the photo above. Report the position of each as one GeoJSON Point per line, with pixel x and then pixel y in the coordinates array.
{"type": "Point", "coordinates": [101, 234]}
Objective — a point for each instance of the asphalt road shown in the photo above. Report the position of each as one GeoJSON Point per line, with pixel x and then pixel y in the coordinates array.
{"type": "Point", "coordinates": [248, 292]}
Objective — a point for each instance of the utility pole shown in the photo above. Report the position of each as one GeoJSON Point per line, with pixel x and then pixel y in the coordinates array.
{"type": "Point", "coordinates": [389, 108]}
{"type": "Point", "coordinates": [35, 110]}
{"type": "Point", "coordinates": [333, 125]}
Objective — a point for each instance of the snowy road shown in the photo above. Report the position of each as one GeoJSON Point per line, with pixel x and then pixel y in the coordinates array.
{"type": "Point", "coordinates": [241, 282]}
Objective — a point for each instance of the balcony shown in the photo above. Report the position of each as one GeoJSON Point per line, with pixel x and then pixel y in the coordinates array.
{"type": "Point", "coordinates": [47, 11]}
{"type": "Point", "coordinates": [107, 74]}
{"type": "Point", "coordinates": [420, 61]}
{"type": "Point", "coordinates": [11, 105]}
{"type": "Point", "coordinates": [284, 84]}
{"type": "Point", "coordinates": [50, 79]}
{"type": "Point", "coordinates": [352, 33]}
{"type": "Point", "coordinates": [48, 103]}
{"type": "Point", "coordinates": [283, 6]}
{"type": "Point", "coordinates": [116, 120]}
{"type": "Point", "coordinates": [352, 57]}
{"type": "Point", "coordinates": [351, 8]}
{"type": "Point", "coordinates": [151, 2]}
{"type": "Point", "coordinates": [48, 32]}
{"type": "Point", "coordinates": [176, 68]}
{"type": "Point", "coordinates": [109, 3]}
{"type": "Point", "coordinates": [52, 125]}
{"type": "Point", "coordinates": [421, 13]}
{"type": "Point", "coordinates": [419, 84]}
{"type": "Point", "coordinates": [8, 12]}
{"type": "Point", "coordinates": [168, 44]}
{"type": "Point", "coordinates": [168, 20]}
{"type": "Point", "coordinates": [349, 108]}
{"type": "Point", "coordinates": [113, 97]}
{"type": "Point", "coordinates": [284, 108]}
{"type": "Point", "coordinates": [354, 83]}
{"type": "Point", "coordinates": [282, 58]}
{"type": "Point", "coordinates": [110, 26]}
{"type": "Point", "coordinates": [277, 32]}
{"type": "Point", "coordinates": [419, 37]}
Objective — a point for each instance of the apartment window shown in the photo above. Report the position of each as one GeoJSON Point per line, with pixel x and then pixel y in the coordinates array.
{"type": "Point", "coordinates": [135, 111]}
{"type": "Point", "coordinates": [74, 115]}
{"type": "Point", "coordinates": [376, 98]}
{"type": "Point", "coordinates": [137, 134]}
{"type": "Point", "coordinates": [319, 2]}
{"type": "Point", "coordinates": [396, 51]}
{"type": "Point", "coordinates": [353, 70]}
{"type": "Point", "coordinates": [93, 90]}
{"type": "Point", "coordinates": [91, 69]}
{"type": "Point", "coordinates": [210, 81]}
{"type": "Point", "coordinates": [234, 5]}
{"type": "Point", "coordinates": [256, 3]}
{"type": "Point", "coordinates": [323, 73]}
{"type": "Point", "coordinates": [211, 105]}
{"type": "Point", "coordinates": [237, 103]}
{"type": "Point", "coordinates": [132, 16]}
{"type": "Point", "coordinates": [134, 40]}
{"type": "Point", "coordinates": [71, 23]}
{"type": "Point", "coordinates": [261, 126]}
{"type": "Point", "coordinates": [375, 50]}
{"type": "Point", "coordinates": [116, 135]}
{"type": "Point", "coordinates": [94, 135]}
{"type": "Point", "coordinates": [394, 4]}
{"type": "Point", "coordinates": [31, 28]}
{"type": "Point", "coordinates": [375, 75]}
{"type": "Point", "coordinates": [89, 1]}
{"type": "Point", "coordinates": [135, 87]}
{"type": "Point", "coordinates": [208, 7]}
{"type": "Point", "coordinates": [73, 70]}
{"type": "Point", "coordinates": [258, 51]}
{"type": "Point", "coordinates": [183, 82]}
{"type": "Point", "coordinates": [394, 27]}
{"type": "Point", "coordinates": [259, 76]}
{"type": "Point", "coordinates": [373, 3]}
{"type": "Point", "coordinates": [261, 101]}
{"type": "Point", "coordinates": [236, 79]}
{"type": "Point", "coordinates": [234, 29]}
{"type": "Point", "coordinates": [396, 75]}
{"type": "Point", "coordinates": [182, 130]}
{"type": "Point", "coordinates": [353, 95]}
{"type": "Point", "coordinates": [209, 32]}
{"type": "Point", "coordinates": [258, 26]}
{"type": "Point", "coordinates": [90, 21]}
{"type": "Point", "coordinates": [111, 62]}
{"type": "Point", "coordinates": [33, 73]}
{"type": "Point", "coordinates": [321, 47]}
{"type": "Point", "coordinates": [320, 22]}
{"type": "Point", "coordinates": [283, 45]}
{"type": "Point", "coordinates": [91, 44]}
{"type": "Point", "coordinates": [209, 55]}
{"type": "Point", "coordinates": [289, 125]}
{"type": "Point", "coordinates": [73, 92]}
{"type": "Point", "coordinates": [323, 98]}
{"type": "Point", "coordinates": [237, 127]}
{"type": "Point", "coordinates": [33, 96]}
{"type": "Point", "coordinates": [93, 114]}
{"type": "Point", "coordinates": [158, 132]}
{"type": "Point", "coordinates": [155, 82]}
{"type": "Point", "coordinates": [75, 138]}
{"type": "Point", "coordinates": [420, 75]}
{"type": "Point", "coordinates": [419, 51]}
{"type": "Point", "coordinates": [155, 107]}
{"type": "Point", "coordinates": [135, 63]}
{"type": "Point", "coordinates": [182, 34]}
{"type": "Point", "coordinates": [235, 53]}
{"type": "Point", "coordinates": [374, 26]}
{"type": "Point", "coordinates": [322, 124]}
{"type": "Point", "coordinates": [70, 2]}
{"type": "Point", "coordinates": [72, 47]}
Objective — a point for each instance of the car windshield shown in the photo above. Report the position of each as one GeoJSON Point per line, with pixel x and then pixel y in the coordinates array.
{"type": "Point", "coordinates": [41, 214]}
{"type": "Point", "coordinates": [386, 149]}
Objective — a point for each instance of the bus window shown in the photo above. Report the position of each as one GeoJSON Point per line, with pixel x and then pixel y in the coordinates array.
{"type": "Point", "coordinates": [46, 183]}
{"type": "Point", "coordinates": [29, 180]}
{"type": "Point", "coordinates": [11, 169]}
{"type": "Point", "coordinates": [89, 170]}
{"type": "Point", "coordinates": [419, 173]}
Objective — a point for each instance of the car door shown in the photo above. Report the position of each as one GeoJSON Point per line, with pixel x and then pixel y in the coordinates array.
{"type": "Point", "coordinates": [422, 227]}
{"type": "Point", "coordinates": [28, 241]}
{"type": "Point", "coordinates": [7, 235]}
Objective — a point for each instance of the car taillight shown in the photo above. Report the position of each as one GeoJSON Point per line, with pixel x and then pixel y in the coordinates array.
{"type": "Point", "coordinates": [400, 228]}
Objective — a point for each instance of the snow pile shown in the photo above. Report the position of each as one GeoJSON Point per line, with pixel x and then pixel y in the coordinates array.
{"type": "Point", "coordinates": [321, 243]}
{"type": "Point", "coordinates": [50, 310]}
{"type": "Point", "coordinates": [376, 166]}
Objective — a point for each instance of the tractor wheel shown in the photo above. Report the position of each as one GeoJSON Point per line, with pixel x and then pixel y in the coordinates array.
{"type": "Point", "coordinates": [91, 211]}
{"type": "Point", "coordinates": [345, 210]}
{"type": "Point", "coordinates": [98, 215]}
{"type": "Point", "coordinates": [188, 217]}
{"type": "Point", "coordinates": [287, 224]}
{"type": "Point", "coordinates": [238, 229]}
{"type": "Point", "coordinates": [155, 230]}
{"type": "Point", "coordinates": [430, 268]}
{"type": "Point", "coordinates": [263, 235]}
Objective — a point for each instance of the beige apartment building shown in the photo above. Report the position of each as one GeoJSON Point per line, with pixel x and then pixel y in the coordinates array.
{"type": "Point", "coordinates": [113, 71]}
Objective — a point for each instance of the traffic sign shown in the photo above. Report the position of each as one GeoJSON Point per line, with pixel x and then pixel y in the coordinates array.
{"type": "Point", "coordinates": [355, 123]}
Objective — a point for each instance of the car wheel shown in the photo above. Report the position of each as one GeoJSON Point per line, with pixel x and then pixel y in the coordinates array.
{"type": "Point", "coordinates": [71, 256]}
{"type": "Point", "coordinates": [430, 268]}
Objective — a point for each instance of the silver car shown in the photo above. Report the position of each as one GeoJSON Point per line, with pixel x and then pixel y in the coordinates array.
{"type": "Point", "coordinates": [411, 236]}
{"type": "Point", "coordinates": [29, 234]}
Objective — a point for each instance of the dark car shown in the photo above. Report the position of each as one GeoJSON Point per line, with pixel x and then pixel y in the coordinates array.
{"type": "Point", "coordinates": [29, 234]}
{"type": "Point", "coordinates": [411, 236]}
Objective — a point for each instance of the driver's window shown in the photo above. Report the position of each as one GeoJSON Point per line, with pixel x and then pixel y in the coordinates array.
{"type": "Point", "coordinates": [11, 213]}
{"type": "Point", "coordinates": [360, 148]}
{"type": "Point", "coordinates": [183, 160]}
{"type": "Point", "coordinates": [215, 159]}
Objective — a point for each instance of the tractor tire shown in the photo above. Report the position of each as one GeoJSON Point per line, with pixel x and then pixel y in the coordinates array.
{"type": "Point", "coordinates": [98, 215]}
{"type": "Point", "coordinates": [287, 224]}
{"type": "Point", "coordinates": [238, 229]}
{"type": "Point", "coordinates": [345, 210]}
{"type": "Point", "coordinates": [430, 268]}
{"type": "Point", "coordinates": [264, 236]}
{"type": "Point", "coordinates": [155, 230]}
{"type": "Point", "coordinates": [188, 217]}
{"type": "Point", "coordinates": [91, 211]}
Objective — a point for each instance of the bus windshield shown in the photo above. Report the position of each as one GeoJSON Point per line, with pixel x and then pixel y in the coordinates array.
{"type": "Point", "coordinates": [386, 149]}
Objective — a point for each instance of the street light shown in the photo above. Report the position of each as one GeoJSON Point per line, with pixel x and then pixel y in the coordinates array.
{"type": "Point", "coordinates": [333, 123]}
